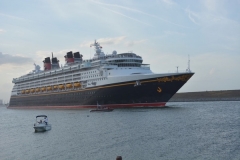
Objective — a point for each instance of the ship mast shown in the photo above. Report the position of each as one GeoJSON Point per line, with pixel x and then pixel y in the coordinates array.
{"type": "Point", "coordinates": [98, 49]}
{"type": "Point", "coordinates": [188, 69]}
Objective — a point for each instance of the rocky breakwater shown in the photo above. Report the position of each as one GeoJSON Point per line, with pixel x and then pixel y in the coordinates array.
{"type": "Point", "coordinates": [224, 95]}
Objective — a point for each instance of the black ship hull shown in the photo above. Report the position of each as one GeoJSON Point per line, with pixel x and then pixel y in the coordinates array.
{"type": "Point", "coordinates": [153, 92]}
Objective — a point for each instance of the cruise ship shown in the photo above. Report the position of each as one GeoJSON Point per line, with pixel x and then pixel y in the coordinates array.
{"type": "Point", "coordinates": [110, 80]}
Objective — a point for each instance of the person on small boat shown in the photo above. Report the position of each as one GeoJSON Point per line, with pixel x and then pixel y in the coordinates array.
{"type": "Point", "coordinates": [40, 121]}
{"type": "Point", "coordinates": [46, 120]}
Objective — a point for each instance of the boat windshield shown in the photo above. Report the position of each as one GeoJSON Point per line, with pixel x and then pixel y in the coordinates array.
{"type": "Point", "coordinates": [41, 116]}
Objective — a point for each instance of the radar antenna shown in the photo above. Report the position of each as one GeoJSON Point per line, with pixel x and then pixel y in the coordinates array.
{"type": "Point", "coordinates": [98, 49]}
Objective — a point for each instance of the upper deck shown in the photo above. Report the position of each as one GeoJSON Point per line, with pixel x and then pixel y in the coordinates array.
{"type": "Point", "coordinates": [100, 60]}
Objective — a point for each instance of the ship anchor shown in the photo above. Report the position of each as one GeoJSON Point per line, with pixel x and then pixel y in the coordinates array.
{"type": "Point", "coordinates": [159, 89]}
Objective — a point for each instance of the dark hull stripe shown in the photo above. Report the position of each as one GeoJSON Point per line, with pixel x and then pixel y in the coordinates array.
{"type": "Point", "coordinates": [134, 105]}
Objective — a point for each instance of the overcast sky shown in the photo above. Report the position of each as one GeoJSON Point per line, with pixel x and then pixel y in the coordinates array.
{"type": "Point", "coordinates": [163, 32]}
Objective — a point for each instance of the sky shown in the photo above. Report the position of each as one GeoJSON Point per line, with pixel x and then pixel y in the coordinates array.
{"type": "Point", "coordinates": [164, 32]}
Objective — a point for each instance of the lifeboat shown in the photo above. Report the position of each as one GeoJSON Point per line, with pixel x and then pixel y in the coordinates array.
{"type": "Point", "coordinates": [77, 84]}
{"type": "Point", "coordinates": [37, 89]}
{"type": "Point", "coordinates": [23, 91]}
{"type": "Point", "coordinates": [49, 88]}
{"type": "Point", "coordinates": [43, 89]}
{"type": "Point", "coordinates": [69, 85]}
{"type": "Point", "coordinates": [61, 86]}
{"type": "Point", "coordinates": [32, 90]}
{"type": "Point", "coordinates": [55, 87]}
{"type": "Point", "coordinates": [27, 91]}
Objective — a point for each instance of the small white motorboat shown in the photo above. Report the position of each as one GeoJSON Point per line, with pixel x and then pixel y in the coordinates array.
{"type": "Point", "coordinates": [101, 109]}
{"type": "Point", "coordinates": [42, 124]}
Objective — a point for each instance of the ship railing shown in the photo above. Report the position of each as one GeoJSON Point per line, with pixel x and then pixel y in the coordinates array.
{"type": "Point", "coordinates": [180, 71]}
{"type": "Point", "coordinates": [112, 57]}
{"type": "Point", "coordinates": [145, 66]}
{"type": "Point", "coordinates": [45, 74]}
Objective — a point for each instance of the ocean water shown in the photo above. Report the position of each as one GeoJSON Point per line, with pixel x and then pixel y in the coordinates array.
{"type": "Point", "coordinates": [193, 130]}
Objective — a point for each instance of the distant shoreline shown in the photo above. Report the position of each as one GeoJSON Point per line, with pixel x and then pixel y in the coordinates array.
{"type": "Point", "coordinates": [223, 95]}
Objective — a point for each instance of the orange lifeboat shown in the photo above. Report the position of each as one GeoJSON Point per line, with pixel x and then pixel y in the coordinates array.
{"type": "Point", "coordinates": [43, 89]}
{"type": "Point", "coordinates": [27, 91]}
{"type": "Point", "coordinates": [69, 85]}
{"type": "Point", "coordinates": [49, 88]}
{"type": "Point", "coordinates": [77, 84]}
{"type": "Point", "coordinates": [23, 91]}
{"type": "Point", "coordinates": [32, 90]}
{"type": "Point", "coordinates": [61, 86]}
{"type": "Point", "coordinates": [55, 87]}
{"type": "Point", "coordinates": [37, 89]}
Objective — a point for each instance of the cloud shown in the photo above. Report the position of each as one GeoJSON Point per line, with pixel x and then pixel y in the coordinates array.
{"type": "Point", "coordinates": [210, 5]}
{"type": "Point", "coordinates": [192, 16]}
{"type": "Point", "coordinates": [14, 59]}
{"type": "Point", "coordinates": [115, 40]}
{"type": "Point", "coordinates": [174, 33]}
{"type": "Point", "coordinates": [208, 18]}
{"type": "Point", "coordinates": [118, 6]}
{"type": "Point", "coordinates": [105, 41]}
{"type": "Point", "coordinates": [2, 31]}
{"type": "Point", "coordinates": [122, 40]}
{"type": "Point", "coordinates": [10, 16]}
{"type": "Point", "coordinates": [132, 43]}
{"type": "Point", "coordinates": [169, 2]}
{"type": "Point", "coordinates": [140, 12]}
{"type": "Point", "coordinates": [128, 17]}
{"type": "Point", "coordinates": [59, 8]}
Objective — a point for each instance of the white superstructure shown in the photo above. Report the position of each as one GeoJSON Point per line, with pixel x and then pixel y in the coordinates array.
{"type": "Point", "coordinates": [81, 74]}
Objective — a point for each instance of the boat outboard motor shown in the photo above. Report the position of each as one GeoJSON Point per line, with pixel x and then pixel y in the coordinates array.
{"type": "Point", "coordinates": [47, 64]}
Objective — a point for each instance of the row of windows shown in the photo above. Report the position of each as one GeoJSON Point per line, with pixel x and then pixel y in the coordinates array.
{"type": "Point", "coordinates": [55, 76]}
{"type": "Point", "coordinates": [33, 86]}
{"type": "Point", "coordinates": [46, 81]}
{"type": "Point", "coordinates": [128, 65]}
{"type": "Point", "coordinates": [72, 73]}
{"type": "Point", "coordinates": [116, 56]}
{"type": "Point", "coordinates": [127, 60]}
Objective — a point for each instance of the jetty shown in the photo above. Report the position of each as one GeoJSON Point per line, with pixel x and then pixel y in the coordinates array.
{"type": "Point", "coordinates": [222, 95]}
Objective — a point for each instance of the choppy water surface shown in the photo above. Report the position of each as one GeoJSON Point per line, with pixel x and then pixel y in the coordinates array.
{"type": "Point", "coordinates": [199, 130]}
